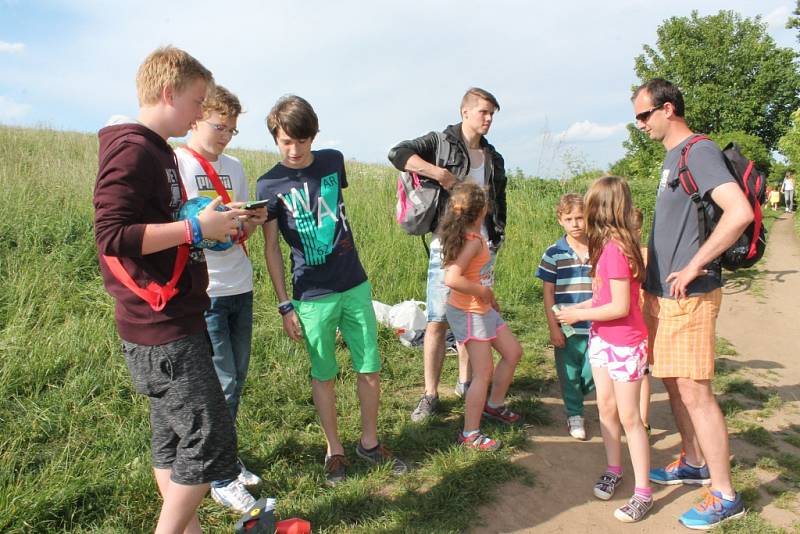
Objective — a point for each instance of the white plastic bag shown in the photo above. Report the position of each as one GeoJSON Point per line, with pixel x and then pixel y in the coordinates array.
{"type": "Point", "coordinates": [406, 318]}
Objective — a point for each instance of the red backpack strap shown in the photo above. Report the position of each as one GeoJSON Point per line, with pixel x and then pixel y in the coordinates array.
{"type": "Point", "coordinates": [690, 186]}
{"type": "Point", "coordinates": [154, 294]}
{"type": "Point", "coordinates": [213, 175]}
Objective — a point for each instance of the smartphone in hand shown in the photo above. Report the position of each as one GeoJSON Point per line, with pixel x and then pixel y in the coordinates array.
{"type": "Point", "coordinates": [255, 204]}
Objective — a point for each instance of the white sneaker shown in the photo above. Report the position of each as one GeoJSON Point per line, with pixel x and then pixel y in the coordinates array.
{"type": "Point", "coordinates": [247, 478]}
{"type": "Point", "coordinates": [576, 428]}
{"type": "Point", "coordinates": [234, 496]}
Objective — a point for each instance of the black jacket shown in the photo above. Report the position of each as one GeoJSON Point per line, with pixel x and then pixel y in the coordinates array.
{"type": "Point", "coordinates": [458, 164]}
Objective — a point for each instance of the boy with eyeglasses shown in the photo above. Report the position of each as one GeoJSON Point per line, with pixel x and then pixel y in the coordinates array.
{"type": "Point", "coordinates": [206, 171]}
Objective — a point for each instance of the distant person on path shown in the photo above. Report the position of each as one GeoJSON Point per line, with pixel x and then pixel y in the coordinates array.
{"type": "Point", "coordinates": [329, 285]}
{"type": "Point", "coordinates": [469, 157]}
{"type": "Point", "coordinates": [682, 300]}
{"type": "Point", "coordinates": [137, 198]}
{"type": "Point", "coordinates": [473, 314]}
{"type": "Point", "coordinates": [787, 188]}
{"type": "Point", "coordinates": [774, 196]}
{"type": "Point", "coordinates": [206, 171]}
{"type": "Point", "coordinates": [618, 338]}
{"type": "Point", "coordinates": [564, 270]}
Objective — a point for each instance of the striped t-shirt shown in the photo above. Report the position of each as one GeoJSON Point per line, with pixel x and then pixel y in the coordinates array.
{"type": "Point", "coordinates": [561, 266]}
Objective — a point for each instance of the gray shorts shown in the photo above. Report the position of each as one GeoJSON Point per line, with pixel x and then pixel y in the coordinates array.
{"type": "Point", "coordinates": [468, 326]}
{"type": "Point", "coordinates": [192, 430]}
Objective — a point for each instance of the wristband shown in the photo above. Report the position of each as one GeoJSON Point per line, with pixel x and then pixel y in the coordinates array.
{"type": "Point", "coordinates": [187, 227]}
{"type": "Point", "coordinates": [197, 233]}
{"type": "Point", "coordinates": [285, 307]}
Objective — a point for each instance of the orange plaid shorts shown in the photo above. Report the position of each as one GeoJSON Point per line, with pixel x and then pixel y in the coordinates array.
{"type": "Point", "coordinates": [682, 335]}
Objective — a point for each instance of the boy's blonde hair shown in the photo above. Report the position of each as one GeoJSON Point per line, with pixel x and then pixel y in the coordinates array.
{"type": "Point", "coordinates": [223, 102]}
{"type": "Point", "coordinates": [569, 202]}
{"type": "Point", "coordinates": [168, 66]}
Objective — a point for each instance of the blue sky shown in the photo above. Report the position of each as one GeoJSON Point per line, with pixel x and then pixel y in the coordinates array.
{"type": "Point", "coordinates": [376, 72]}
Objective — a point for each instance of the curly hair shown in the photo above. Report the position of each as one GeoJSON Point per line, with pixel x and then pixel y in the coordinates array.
{"type": "Point", "coordinates": [467, 201]}
{"type": "Point", "coordinates": [610, 215]}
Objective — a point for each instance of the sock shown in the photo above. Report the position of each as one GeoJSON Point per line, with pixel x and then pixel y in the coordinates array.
{"type": "Point", "coordinates": [728, 497]}
{"type": "Point", "coordinates": [494, 406]}
{"type": "Point", "coordinates": [469, 433]}
{"type": "Point", "coordinates": [646, 494]}
{"type": "Point", "coordinates": [616, 469]}
{"type": "Point", "coordinates": [366, 449]}
{"type": "Point", "coordinates": [692, 465]}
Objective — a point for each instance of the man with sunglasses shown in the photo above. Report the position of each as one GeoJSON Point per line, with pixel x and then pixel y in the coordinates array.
{"type": "Point", "coordinates": [682, 300]}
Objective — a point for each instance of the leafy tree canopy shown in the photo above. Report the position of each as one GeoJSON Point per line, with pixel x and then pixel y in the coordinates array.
{"type": "Point", "coordinates": [789, 144]}
{"type": "Point", "coordinates": [732, 75]}
{"type": "Point", "coordinates": [794, 22]}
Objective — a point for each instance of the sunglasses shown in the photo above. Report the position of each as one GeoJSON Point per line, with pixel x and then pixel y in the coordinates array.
{"type": "Point", "coordinates": [221, 128]}
{"type": "Point", "coordinates": [644, 115]}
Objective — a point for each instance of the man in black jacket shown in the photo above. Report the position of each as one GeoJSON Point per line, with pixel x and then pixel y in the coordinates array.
{"type": "Point", "coordinates": [465, 155]}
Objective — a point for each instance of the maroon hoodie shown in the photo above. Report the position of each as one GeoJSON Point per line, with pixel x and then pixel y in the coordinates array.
{"type": "Point", "coordinates": [138, 184]}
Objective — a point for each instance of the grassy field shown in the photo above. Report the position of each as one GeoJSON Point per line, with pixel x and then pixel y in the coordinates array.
{"type": "Point", "coordinates": [74, 438]}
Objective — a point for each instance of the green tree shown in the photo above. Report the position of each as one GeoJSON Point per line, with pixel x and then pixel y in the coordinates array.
{"type": "Point", "coordinates": [733, 77]}
{"type": "Point", "coordinates": [794, 22]}
{"type": "Point", "coordinates": [790, 143]}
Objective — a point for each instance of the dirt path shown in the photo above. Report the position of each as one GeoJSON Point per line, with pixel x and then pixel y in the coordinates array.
{"type": "Point", "coordinates": [759, 318]}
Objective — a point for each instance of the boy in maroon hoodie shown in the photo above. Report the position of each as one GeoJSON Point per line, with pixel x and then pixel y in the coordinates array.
{"type": "Point", "coordinates": [144, 253]}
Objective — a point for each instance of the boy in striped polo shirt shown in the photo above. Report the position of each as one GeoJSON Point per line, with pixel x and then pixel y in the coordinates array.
{"type": "Point", "coordinates": [564, 269]}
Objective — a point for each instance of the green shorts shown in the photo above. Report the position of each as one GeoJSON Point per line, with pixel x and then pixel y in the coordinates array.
{"type": "Point", "coordinates": [351, 311]}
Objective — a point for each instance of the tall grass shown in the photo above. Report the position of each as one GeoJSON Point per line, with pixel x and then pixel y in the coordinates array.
{"type": "Point", "coordinates": [74, 437]}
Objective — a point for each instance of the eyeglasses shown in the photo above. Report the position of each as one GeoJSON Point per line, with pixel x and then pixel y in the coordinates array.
{"type": "Point", "coordinates": [644, 115]}
{"type": "Point", "coordinates": [221, 128]}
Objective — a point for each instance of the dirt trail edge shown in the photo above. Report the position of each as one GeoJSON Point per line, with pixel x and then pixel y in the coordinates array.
{"type": "Point", "coordinates": [759, 318]}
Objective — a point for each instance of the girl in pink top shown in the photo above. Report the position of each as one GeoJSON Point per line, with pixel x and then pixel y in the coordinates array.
{"type": "Point", "coordinates": [472, 313]}
{"type": "Point", "coordinates": [618, 337]}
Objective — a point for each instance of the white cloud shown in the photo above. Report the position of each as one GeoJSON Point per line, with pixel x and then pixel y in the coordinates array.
{"type": "Point", "coordinates": [10, 110]}
{"type": "Point", "coordinates": [11, 48]}
{"type": "Point", "coordinates": [776, 19]}
{"type": "Point", "coordinates": [587, 131]}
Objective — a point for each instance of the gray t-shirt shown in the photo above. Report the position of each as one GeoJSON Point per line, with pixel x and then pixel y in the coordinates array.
{"type": "Point", "coordinates": [674, 239]}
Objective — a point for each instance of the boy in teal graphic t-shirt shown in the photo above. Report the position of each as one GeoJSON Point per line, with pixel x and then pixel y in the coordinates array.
{"type": "Point", "coordinates": [330, 290]}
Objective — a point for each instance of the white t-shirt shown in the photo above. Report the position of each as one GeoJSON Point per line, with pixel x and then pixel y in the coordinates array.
{"type": "Point", "coordinates": [477, 175]}
{"type": "Point", "coordinates": [229, 271]}
{"type": "Point", "coordinates": [788, 184]}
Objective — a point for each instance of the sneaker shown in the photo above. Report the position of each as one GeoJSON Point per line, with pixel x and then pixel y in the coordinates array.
{"type": "Point", "coordinates": [502, 414]}
{"type": "Point", "coordinates": [247, 478]}
{"type": "Point", "coordinates": [712, 511]}
{"type": "Point", "coordinates": [381, 455]}
{"type": "Point", "coordinates": [426, 407]}
{"type": "Point", "coordinates": [234, 496]}
{"type": "Point", "coordinates": [575, 427]}
{"type": "Point", "coordinates": [606, 485]}
{"type": "Point", "coordinates": [635, 509]}
{"type": "Point", "coordinates": [679, 472]}
{"type": "Point", "coordinates": [461, 388]}
{"type": "Point", "coordinates": [479, 441]}
{"type": "Point", "coordinates": [335, 469]}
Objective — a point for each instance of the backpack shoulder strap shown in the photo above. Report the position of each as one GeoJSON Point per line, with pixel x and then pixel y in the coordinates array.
{"type": "Point", "coordinates": [442, 149]}
{"type": "Point", "coordinates": [690, 186]}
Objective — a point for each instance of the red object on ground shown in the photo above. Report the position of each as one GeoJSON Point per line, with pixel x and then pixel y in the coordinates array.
{"type": "Point", "coordinates": [293, 526]}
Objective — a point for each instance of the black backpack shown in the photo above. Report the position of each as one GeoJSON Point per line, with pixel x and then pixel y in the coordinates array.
{"type": "Point", "coordinates": [749, 248]}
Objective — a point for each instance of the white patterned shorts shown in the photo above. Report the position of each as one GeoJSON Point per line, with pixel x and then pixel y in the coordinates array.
{"type": "Point", "coordinates": [624, 364]}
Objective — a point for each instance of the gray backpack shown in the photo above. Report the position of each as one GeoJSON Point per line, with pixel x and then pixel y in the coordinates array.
{"type": "Point", "coordinates": [418, 197]}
